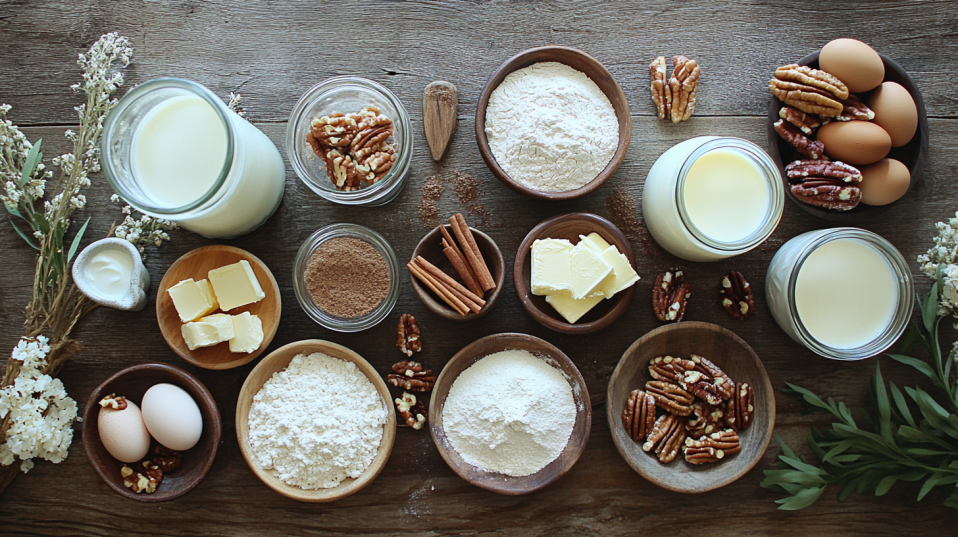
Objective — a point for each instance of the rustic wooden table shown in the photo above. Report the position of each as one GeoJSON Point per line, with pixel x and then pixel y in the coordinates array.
{"type": "Point", "coordinates": [273, 51]}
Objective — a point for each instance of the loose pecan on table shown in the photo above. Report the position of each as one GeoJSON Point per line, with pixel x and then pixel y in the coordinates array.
{"type": "Point", "coordinates": [741, 408]}
{"type": "Point", "coordinates": [737, 296]}
{"type": "Point", "coordinates": [832, 185]}
{"type": "Point", "coordinates": [657, 74]}
{"type": "Point", "coordinates": [670, 295]}
{"type": "Point", "coordinates": [639, 415]}
{"type": "Point", "coordinates": [407, 335]}
{"type": "Point", "coordinates": [667, 436]}
{"type": "Point", "coordinates": [410, 376]}
{"type": "Point", "coordinates": [670, 397]}
{"type": "Point", "coordinates": [682, 89]}
{"type": "Point", "coordinates": [412, 410]}
{"type": "Point", "coordinates": [811, 149]}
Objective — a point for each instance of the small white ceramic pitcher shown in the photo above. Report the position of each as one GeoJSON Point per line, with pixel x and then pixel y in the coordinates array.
{"type": "Point", "coordinates": [101, 276]}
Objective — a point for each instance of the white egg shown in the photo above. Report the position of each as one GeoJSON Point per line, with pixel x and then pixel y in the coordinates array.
{"type": "Point", "coordinates": [123, 433]}
{"type": "Point", "coordinates": [172, 417]}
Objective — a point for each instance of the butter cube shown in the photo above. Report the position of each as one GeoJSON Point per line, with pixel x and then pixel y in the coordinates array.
{"type": "Point", "coordinates": [236, 285]}
{"type": "Point", "coordinates": [190, 299]}
{"type": "Point", "coordinates": [595, 241]}
{"type": "Point", "coordinates": [551, 266]}
{"type": "Point", "coordinates": [589, 272]}
{"type": "Point", "coordinates": [248, 332]}
{"type": "Point", "coordinates": [624, 275]}
{"type": "Point", "coordinates": [571, 309]}
{"type": "Point", "coordinates": [207, 290]}
{"type": "Point", "coordinates": [208, 331]}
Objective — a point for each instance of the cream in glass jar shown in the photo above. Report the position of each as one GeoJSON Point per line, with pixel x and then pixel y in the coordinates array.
{"type": "Point", "coordinates": [844, 293]}
{"type": "Point", "coordinates": [711, 198]}
{"type": "Point", "coordinates": [172, 149]}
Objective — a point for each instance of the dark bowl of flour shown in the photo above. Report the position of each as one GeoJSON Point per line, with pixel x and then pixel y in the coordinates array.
{"type": "Point", "coordinates": [346, 277]}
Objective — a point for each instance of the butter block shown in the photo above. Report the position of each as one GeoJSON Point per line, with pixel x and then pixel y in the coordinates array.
{"type": "Point", "coordinates": [571, 309]}
{"type": "Point", "coordinates": [248, 332]}
{"type": "Point", "coordinates": [208, 331]}
{"type": "Point", "coordinates": [207, 290]}
{"type": "Point", "coordinates": [190, 300]}
{"type": "Point", "coordinates": [551, 268]}
{"type": "Point", "coordinates": [624, 275]}
{"type": "Point", "coordinates": [236, 285]}
{"type": "Point", "coordinates": [589, 272]}
{"type": "Point", "coordinates": [595, 241]}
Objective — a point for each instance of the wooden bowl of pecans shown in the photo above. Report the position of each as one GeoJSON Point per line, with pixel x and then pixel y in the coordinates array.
{"type": "Point", "coordinates": [729, 407]}
{"type": "Point", "coordinates": [132, 383]}
{"type": "Point", "coordinates": [912, 154]}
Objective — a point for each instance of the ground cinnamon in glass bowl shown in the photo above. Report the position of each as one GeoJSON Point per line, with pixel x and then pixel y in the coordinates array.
{"type": "Point", "coordinates": [346, 277]}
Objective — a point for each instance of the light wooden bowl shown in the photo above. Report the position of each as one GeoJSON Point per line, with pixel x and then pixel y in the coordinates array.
{"type": "Point", "coordinates": [733, 356]}
{"type": "Point", "coordinates": [277, 361]}
{"type": "Point", "coordinates": [497, 482]}
{"type": "Point", "coordinates": [197, 264]}
{"type": "Point", "coordinates": [912, 154]}
{"type": "Point", "coordinates": [570, 226]}
{"type": "Point", "coordinates": [132, 383]}
{"type": "Point", "coordinates": [430, 248]}
{"type": "Point", "coordinates": [579, 61]}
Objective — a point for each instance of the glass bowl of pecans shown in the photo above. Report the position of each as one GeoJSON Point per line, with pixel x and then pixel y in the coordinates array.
{"type": "Point", "coordinates": [350, 140]}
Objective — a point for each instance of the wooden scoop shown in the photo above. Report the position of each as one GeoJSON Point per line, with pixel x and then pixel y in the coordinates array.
{"type": "Point", "coordinates": [439, 102]}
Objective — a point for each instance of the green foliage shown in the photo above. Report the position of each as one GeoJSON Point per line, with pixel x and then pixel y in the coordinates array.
{"type": "Point", "coordinates": [905, 435]}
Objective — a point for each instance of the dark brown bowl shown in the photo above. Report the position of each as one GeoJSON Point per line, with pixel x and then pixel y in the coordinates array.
{"type": "Point", "coordinates": [579, 61]}
{"type": "Point", "coordinates": [911, 154]}
{"type": "Point", "coordinates": [733, 356]}
{"type": "Point", "coordinates": [132, 383]}
{"type": "Point", "coordinates": [497, 482]}
{"type": "Point", "coordinates": [570, 226]}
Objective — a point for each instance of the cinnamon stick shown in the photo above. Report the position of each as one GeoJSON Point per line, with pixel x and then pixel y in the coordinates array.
{"type": "Point", "coordinates": [459, 263]}
{"type": "Point", "coordinates": [463, 298]}
{"type": "Point", "coordinates": [447, 280]}
{"type": "Point", "coordinates": [464, 234]}
{"type": "Point", "coordinates": [438, 289]}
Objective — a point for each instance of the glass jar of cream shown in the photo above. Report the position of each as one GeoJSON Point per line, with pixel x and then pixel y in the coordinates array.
{"type": "Point", "coordinates": [711, 198]}
{"type": "Point", "coordinates": [173, 149]}
{"type": "Point", "coordinates": [844, 293]}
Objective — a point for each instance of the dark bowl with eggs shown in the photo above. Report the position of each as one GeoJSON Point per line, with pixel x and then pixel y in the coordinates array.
{"type": "Point", "coordinates": [912, 154]}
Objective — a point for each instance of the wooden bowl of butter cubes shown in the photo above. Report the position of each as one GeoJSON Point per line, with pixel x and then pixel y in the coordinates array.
{"type": "Point", "coordinates": [575, 273]}
{"type": "Point", "coordinates": [218, 307]}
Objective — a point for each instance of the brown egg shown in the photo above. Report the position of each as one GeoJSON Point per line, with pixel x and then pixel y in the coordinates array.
{"type": "Point", "coordinates": [855, 142]}
{"type": "Point", "coordinates": [854, 63]}
{"type": "Point", "coordinates": [895, 111]}
{"type": "Point", "coordinates": [884, 182]}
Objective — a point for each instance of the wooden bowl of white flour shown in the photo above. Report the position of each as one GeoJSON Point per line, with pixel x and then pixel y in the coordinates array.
{"type": "Point", "coordinates": [315, 421]}
{"type": "Point", "coordinates": [552, 123]}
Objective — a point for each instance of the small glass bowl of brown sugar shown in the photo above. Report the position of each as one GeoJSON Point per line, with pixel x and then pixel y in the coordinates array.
{"type": "Point", "coordinates": [346, 277]}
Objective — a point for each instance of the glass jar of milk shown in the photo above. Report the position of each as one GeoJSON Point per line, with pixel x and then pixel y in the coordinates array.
{"type": "Point", "coordinates": [711, 198]}
{"type": "Point", "coordinates": [844, 293]}
{"type": "Point", "coordinates": [172, 149]}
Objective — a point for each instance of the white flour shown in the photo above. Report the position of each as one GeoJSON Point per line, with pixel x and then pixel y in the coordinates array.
{"type": "Point", "coordinates": [317, 422]}
{"type": "Point", "coordinates": [510, 412]}
{"type": "Point", "coordinates": [550, 127]}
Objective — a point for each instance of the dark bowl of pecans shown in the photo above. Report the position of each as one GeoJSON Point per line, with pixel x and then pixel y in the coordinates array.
{"type": "Point", "coordinates": [691, 407]}
{"type": "Point", "coordinates": [194, 463]}
{"type": "Point", "coordinates": [830, 190]}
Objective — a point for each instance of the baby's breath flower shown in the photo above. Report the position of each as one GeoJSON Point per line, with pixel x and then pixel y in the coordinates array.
{"type": "Point", "coordinates": [945, 254]}
{"type": "Point", "coordinates": [115, 198]}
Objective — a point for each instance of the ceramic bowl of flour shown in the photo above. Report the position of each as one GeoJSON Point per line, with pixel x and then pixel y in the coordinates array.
{"type": "Point", "coordinates": [279, 361]}
{"type": "Point", "coordinates": [566, 151]}
{"type": "Point", "coordinates": [580, 410]}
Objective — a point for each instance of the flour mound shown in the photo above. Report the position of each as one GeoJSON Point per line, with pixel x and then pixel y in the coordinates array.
{"type": "Point", "coordinates": [317, 422]}
{"type": "Point", "coordinates": [510, 412]}
{"type": "Point", "coordinates": [550, 127]}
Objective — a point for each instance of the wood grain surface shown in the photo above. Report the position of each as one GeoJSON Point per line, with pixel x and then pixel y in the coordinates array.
{"type": "Point", "coordinates": [273, 51]}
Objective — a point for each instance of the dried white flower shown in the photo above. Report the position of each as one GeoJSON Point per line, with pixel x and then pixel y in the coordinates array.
{"type": "Point", "coordinates": [944, 253]}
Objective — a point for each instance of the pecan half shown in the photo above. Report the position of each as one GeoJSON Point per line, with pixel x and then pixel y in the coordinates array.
{"type": "Point", "coordinates": [670, 296]}
{"type": "Point", "coordinates": [334, 130]}
{"type": "Point", "coordinates": [726, 440]}
{"type": "Point", "coordinates": [407, 335]}
{"type": "Point", "coordinates": [825, 184]}
{"type": "Point", "coordinates": [639, 415]}
{"type": "Point", "coordinates": [705, 419]}
{"type": "Point", "coordinates": [145, 478]}
{"type": "Point", "coordinates": [657, 73]}
{"type": "Point", "coordinates": [700, 384]}
{"type": "Point", "coordinates": [854, 108]}
{"type": "Point", "coordinates": [670, 397]}
{"type": "Point", "coordinates": [741, 408]}
{"type": "Point", "coordinates": [816, 78]}
{"type": "Point", "coordinates": [342, 170]}
{"type": "Point", "coordinates": [812, 149]}
{"type": "Point", "coordinates": [817, 169]}
{"type": "Point", "coordinates": [166, 459]}
{"type": "Point", "coordinates": [682, 89]}
{"type": "Point", "coordinates": [114, 402]}
{"type": "Point", "coordinates": [411, 376]}
{"type": "Point", "coordinates": [806, 98]}
{"type": "Point", "coordinates": [737, 296]}
{"type": "Point", "coordinates": [807, 123]}
{"type": "Point", "coordinates": [412, 410]}
{"type": "Point", "coordinates": [702, 455]}
{"type": "Point", "coordinates": [722, 381]}
{"type": "Point", "coordinates": [667, 437]}
{"type": "Point", "coordinates": [669, 368]}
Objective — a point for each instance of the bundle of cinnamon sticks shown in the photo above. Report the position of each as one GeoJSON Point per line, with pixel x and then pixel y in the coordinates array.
{"type": "Point", "coordinates": [468, 262]}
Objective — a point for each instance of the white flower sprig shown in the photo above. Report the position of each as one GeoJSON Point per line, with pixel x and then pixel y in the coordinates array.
{"type": "Point", "coordinates": [143, 231]}
{"type": "Point", "coordinates": [944, 253]}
